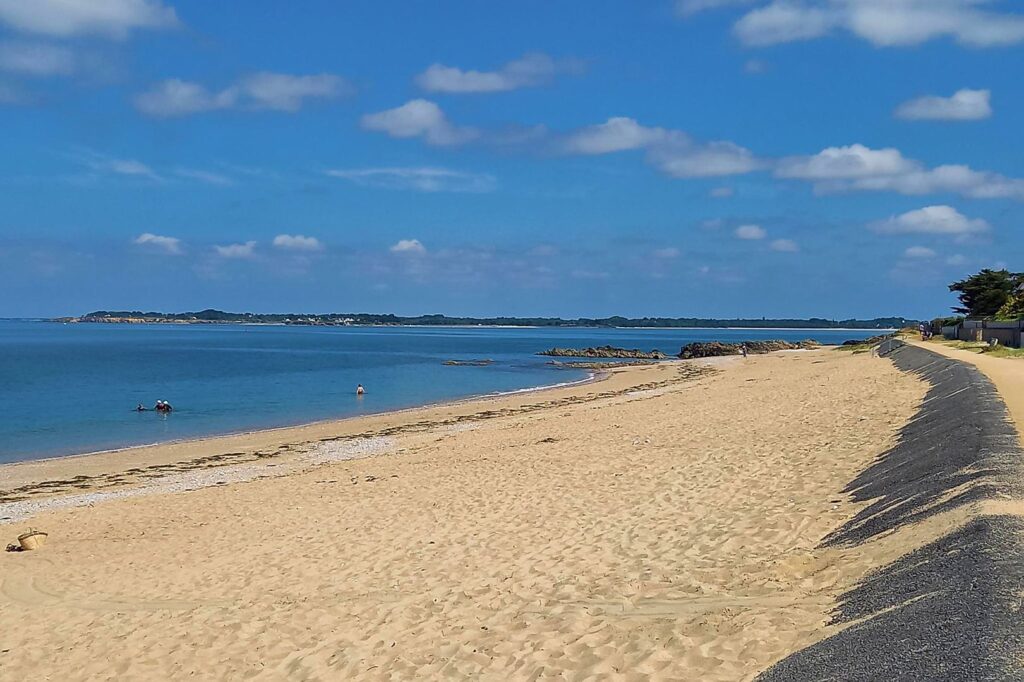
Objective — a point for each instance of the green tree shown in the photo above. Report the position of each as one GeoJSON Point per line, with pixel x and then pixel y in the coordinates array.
{"type": "Point", "coordinates": [984, 294]}
{"type": "Point", "coordinates": [1013, 309]}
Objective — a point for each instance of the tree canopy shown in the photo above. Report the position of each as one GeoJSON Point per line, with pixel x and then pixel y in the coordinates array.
{"type": "Point", "coordinates": [991, 293]}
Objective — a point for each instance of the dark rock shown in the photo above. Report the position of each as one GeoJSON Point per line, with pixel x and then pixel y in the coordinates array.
{"type": "Point", "coordinates": [604, 352]}
{"type": "Point", "coordinates": [869, 341]}
{"type": "Point", "coordinates": [711, 349]}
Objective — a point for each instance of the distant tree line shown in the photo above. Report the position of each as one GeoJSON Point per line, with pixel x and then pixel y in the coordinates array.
{"type": "Point", "coordinates": [991, 294]}
{"type": "Point", "coordinates": [211, 315]}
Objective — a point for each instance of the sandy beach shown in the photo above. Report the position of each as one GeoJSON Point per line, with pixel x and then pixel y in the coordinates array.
{"type": "Point", "coordinates": [664, 523]}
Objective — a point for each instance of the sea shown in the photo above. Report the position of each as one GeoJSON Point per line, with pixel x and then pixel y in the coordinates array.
{"type": "Point", "coordinates": [73, 388]}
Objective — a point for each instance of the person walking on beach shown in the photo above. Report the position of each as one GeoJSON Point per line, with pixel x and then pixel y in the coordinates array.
{"type": "Point", "coordinates": [360, 390]}
{"type": "Point", "coordinates": [743, 349]}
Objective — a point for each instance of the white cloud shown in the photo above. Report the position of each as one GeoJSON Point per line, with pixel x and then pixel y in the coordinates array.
{"type": "Point", "coordinates": [176, 97]}
{"type": "Point", "coordinates": [856, 167]}
{"type": "Point", "coordinates": [944, 220]}
{"type": "Point", "coordinates": [722, 192]}
{"type": "Point", "coordinates": [259, 91]}
{"type": "Point", "coordinates": [882, 22]}
{"type": "Point", "coordinates": [284, 92]}
{"type": "Point", "coordinates": [667, 252]}
{"type": "Point", "coordinates": [409, 246]}
{"type": "Point", "coordinates": [682, 157]}
{"type": "Point", "coordinates": [419, 118]}
{"type": "Point", "coordinates": [919, 252]}
{"type": "Point", "coordinates": [64, 18]}
{"type": "Point", "coordinates": [671, 151]}
{"type": "Point", "coordinates": [956, 179]}
{"type": "Point", "coordinates": [423, 179]}
{"type": "Point", "coordinates": [964, 105]}
{"type": "Point", "coordinates": [36, 59]}
{"type": "Point", "coordinates": [530, 70]}
{"type": "Point", "coordinates": [614, 135]}
{"type": "Point", "coordinates": [751, 232]}
{"type": "Point", "coordinates": [688, 8]}
{"type": "Point", "coordinates": [297, 242]}
{"type": "Point", "coordinates": [171, 245]}
{"type": "Point", "coordinates": [240, 251]}
{"type": "Point", "coordinates": [845, 163]}
{"type": "Point", "coordinates": [784, 245]}
{"type": "Point", "coordinates": [783, 22]}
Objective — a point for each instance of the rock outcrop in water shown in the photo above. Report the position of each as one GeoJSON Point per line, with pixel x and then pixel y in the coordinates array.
{"type": "Point", "coordinates": [871, 341]}
{"type": "Point", "coordinates": [711, 349]}
{"type": "Point", "coordinates": [467, 363]}
{"type": "Point", "coordinates": [604, 352]}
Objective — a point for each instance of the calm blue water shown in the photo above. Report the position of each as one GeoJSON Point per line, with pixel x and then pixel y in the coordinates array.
{"type": "Point", "coordinates": [72, 388]}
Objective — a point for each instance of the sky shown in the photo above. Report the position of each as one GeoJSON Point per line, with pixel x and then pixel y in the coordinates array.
{"type": "Point", "coordinates": [682, 158]}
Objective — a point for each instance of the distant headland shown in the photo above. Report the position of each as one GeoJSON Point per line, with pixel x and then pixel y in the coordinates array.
{"type": "Point", "coordinates": [369, 319]}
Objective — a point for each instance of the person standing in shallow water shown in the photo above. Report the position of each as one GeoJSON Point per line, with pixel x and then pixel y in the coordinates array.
{"type": "Point", "coordinates": [360, 390]}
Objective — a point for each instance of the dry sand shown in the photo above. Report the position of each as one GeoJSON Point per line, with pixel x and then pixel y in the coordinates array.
{"type": "Point", "coordinates": [660, 524]}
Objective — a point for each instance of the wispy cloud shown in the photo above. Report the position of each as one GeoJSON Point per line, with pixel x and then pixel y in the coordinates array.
{"type": "Point", "coordinates": [106, 165]}
{"type": "Point", "coordinates": [784, 245]}
{"type": "Point", "coordinates": [963, 105]}
{"type": "Point", "coordinates": [688, 8]}
{"type": "Point", "coordinates": [103, 164]}
{"type": "Point", "coordinates": [919, 252]}
{"type": "Point", "coordinates": [530, 70]}
{"type": "Point", "coordinates": [36, 59]}
{"type": "Point", "coordinates": [423, 179]}
{"type": "Point", "coordinates": [208, 177]}
{"type": "Point", "coordinates": [259, 91]}
{"type": "Point", "coordinates": [66, 18]}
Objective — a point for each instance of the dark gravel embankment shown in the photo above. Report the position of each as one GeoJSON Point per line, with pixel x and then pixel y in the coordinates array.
{"type": "Point", "coordinates": [951, 609]}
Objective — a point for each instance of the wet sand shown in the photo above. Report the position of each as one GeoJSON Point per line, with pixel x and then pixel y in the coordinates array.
{"type": "Point", "coordinates": [664, 523]}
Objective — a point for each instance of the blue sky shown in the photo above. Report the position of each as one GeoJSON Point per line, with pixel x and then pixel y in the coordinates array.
{"type": "Point", "coordinates": [713, 158]}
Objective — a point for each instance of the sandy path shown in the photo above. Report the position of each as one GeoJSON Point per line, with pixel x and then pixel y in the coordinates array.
{"type": "Point", "coordinates": [668, 532]}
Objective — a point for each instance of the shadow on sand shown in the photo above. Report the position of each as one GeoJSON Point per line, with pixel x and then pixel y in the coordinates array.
{"type": "Point", "coordinates": [950, 610]}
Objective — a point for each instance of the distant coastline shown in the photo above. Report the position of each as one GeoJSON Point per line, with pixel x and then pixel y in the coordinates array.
{"type": "Point", "coordinates": [211, 316]}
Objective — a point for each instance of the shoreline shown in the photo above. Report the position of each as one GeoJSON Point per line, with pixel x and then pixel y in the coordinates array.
{"type": "Point", "coordinates": [594, 376]}
{"type": "Point", "coordinates": [247, 447]}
